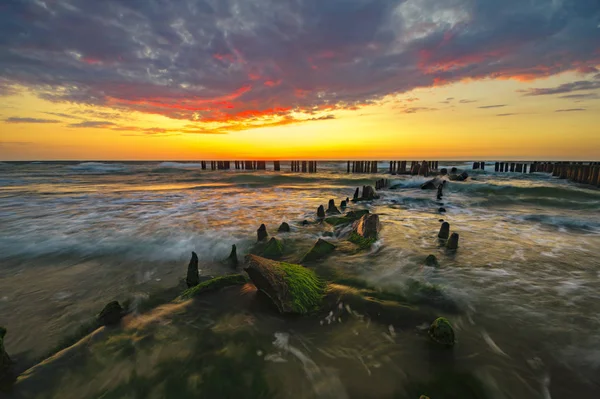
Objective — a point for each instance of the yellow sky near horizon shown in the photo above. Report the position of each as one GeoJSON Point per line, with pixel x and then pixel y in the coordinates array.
{"type": "Point", "coordinates": [436, 129]}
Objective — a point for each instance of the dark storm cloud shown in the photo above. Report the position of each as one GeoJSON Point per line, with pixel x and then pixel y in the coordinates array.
{"type": "Point", "coordinates": [493, 106]}
{"type": "Point", "coordinates": [29, 120]}
{"type": "Point", "coordinates": [231, 61]}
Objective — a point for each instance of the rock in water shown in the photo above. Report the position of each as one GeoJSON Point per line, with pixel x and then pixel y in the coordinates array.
{"type": "Point", "coordinates": [452, 241]}
{"type": "Point", "coordinates": [5, 362]}
{"type": "Point", "coordinates": [431, 260]}
{"type": "Point", "coordinates": [441, 210]}
{"type": "Point", "coordinates": [444, 231]}
{"type": "Point", "coordinates": [284, 228]}
{"type": "Point", "coordinates": [111, 314]}
{"type": "Point", "coordinates": [193, 276]}
{"type": "Point", "coordinates": [273, 249]}
{"type": "Point", "coordinates": [292, 288]}
{"type": "Point", "coordinates": [232, 259]}
{"type": "Point", "coordinates": [321, 249]}
{"type": "Point", "coordinates": [331, 208]}
{"type": "Point", "coordinates": [443, 171]}
{"type": "Point", "coordinates": [367, 226]}
{"type": "Point", "coordinates": [355, 194]}
{"type": "Point", "coordinates": [453, 170]}
{"type": "Point", "coordinates": [262, 232]}
{"type": "Point", "coordinates": [441, 332]}
{"type": "Point", "coordinates": [321, 212]}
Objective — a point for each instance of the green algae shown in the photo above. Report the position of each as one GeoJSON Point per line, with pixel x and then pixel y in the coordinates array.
{"type": "Point", "coordinates": [441, 332]}
{"type": "Point", "coordinates": [362, 242]}
{"type": "Point", "coordinates": [348, 218]}
{"type": "Point", "coordinates": [305, 288]}
{"type": "Point", "coordinates": [214, 284]}
{"type": "Point", "coordinates": [273, 249]}
{"type": "Point", "coordinates": [321, 249]}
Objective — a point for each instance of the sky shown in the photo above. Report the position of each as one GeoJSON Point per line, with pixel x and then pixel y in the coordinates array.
{"type": "Point", "coordinates": [299, 79]}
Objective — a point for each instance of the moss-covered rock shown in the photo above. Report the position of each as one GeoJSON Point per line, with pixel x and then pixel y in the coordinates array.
{"type": "Point", "coordinates": [441, 332]}
{"type": "Point", "coordinates": [292, 288]}
{"type": "Point", "coordinates": [348, 218]}
{"type": "Point", "coordinates": [111, 314]}
{"type": "Point", "coordinates": [193, 276]}
{"type": "Point", "coordinates": [284, 228]}
{"type": "Point", "coordinates": [214, 284]}
{"type": "Point", "coordinates": [431, 260]}
{"type": "Point", "coordinates": [273, 249]}
{"type": "Point", "coordinates": [319, 250]}
{"type": "Point", "coordinates": [362, 242]}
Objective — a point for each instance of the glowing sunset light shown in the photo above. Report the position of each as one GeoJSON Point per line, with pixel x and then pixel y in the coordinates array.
{"type": "Point", "coordinates": [325, 80]}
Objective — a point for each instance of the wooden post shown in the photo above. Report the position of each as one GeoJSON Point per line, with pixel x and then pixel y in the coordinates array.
{"type": "Point", "coordinates": [475, 165]}
{"type": "Point", "coordinates": [512, 166]}
{"type": "Point", "coordinates": [348, 167]}
{"type": "Point", "coordinates": [482, 165]}
{"type": "Point", "coordinates": [403, 166]}
{"type": "Point", "coordinates": [497, 167]}
{"type": "Point", "coordinates": [524, 168]}
{"type": "Point", "coordinates": [303, 166]}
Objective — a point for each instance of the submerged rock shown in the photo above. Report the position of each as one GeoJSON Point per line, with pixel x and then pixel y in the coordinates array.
{"type": "Point", "coordinates": [444, 231]}
{"type": "Point", "coordinates": [261, 233]}
{"type": "Point", "coordinates": [368, 226]}
{"type": "Point", "coordinates": [304, 222]}
{"type": "Point", "coordinates": [111, 314]}
{"type": "Point", "coordinates": [441, 332]}
{"type": "Point", "coordinates": [431, 260]}
{"type": "Point", "coordinates": [441, 210]}
{"type": "Point", "coordinates": [273, 249]}
{"type": "Point", "coordinates": [5, 362]}
{"type": "Point", "coordinates": [462, 177]}
{"type": "Point", "coordinates": [331, 208]}
{"type": "Point", "coordinates": [214, 284]}
{"type": "Point", "coordinates": [193, 276]}
{"type": "Point", "coordinates": [292, 288]}
{"type": "Point", "coordinates": [432, 184]}
{"type": "Point", "coordinates": [284, 228]}
{"type": "Point", "coordinates": [321, 249]}
{"type": "Point", "coordinates": [347, 218]}
{"type": "Point", "coordinates": [232, 259]}
{"type": "Point", "coordinates": [452, 241]}
{"type": "Point", "coordinates": [321, 212]}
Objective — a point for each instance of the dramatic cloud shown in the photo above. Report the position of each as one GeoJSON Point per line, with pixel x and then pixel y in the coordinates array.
{"type": "Point", "coordinates": [29, 120]}
{"type": "Point", "coordinates": [564, 88]}
{"type": "Point", "coordinates": [570, 110]}
{"type": "Point", "coordinates": [95, 124]}
{"type": "Point", "coordinates": [242, 64]}
{"type": "Point", "coordinates": [493, 106]}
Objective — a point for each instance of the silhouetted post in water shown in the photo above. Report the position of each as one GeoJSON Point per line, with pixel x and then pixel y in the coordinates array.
{"type": "Point", "coordinates": [439, 191]}
{"type": "Point", "coordinates": [497, 167]}
{"type": "Point", "coordinates": [304, 166]}
{"type": "Point", "coordinates": [203, 165]}
{"type": "Point", "coordinates": [403, 166]}
{"type": "Point", "coordinates": [524, 168]}
{"type": "Point", "coordinates": [444, 231]}
{"type": "Point", "coordinates": [355, 194]}
{"type": "Point", "coordinates": [320, 212]}
{"type": "Point", "coordinates": [276, 166]}
{"type": "Point", "coordinates": [512, 166]}
{"type": "Point", "coordinates": [391, 167]}
{"type": "Point", "coordinates": [475, 165]}
{"type": "Point", "coordinates": [453, 241]}
{"type": "Point", "coordinates": [193, 276]}
{"type": "Point", "coordinates": [348, 166]}
{"type": "Point", "coordinates": [518, 168]}
{"type": "Point", "coordinates": [353, 166]}
{"type": "Point", "coordinates": [482, 165]}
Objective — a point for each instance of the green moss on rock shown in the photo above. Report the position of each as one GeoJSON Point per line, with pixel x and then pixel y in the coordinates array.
{"type": "Point", "coordinates": [441, 332]}
{"type": "Point", "coordinates": [362, 242]}
{"type": "Point", "coordinates": [347, 218]}
{"type": "Point", "coordinates": [321, 249]}
{"type": "Point", "coordinates": [273, 249]}
{"type": "Point", "coordinates": [292, 288]}
{"type": "Point", "coordinates": [214, 284]}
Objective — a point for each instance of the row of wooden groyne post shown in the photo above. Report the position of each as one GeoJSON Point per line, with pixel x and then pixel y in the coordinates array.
{"type": "Point", "coordinates": [579, 172]}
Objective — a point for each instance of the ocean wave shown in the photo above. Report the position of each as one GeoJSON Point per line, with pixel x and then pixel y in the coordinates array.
{"type": "Point", "coordinates": [564, 222]}
{"type": "Point", "coordinates": [562, 192]}
{"type": "Point", "coordinates": [98, 167]}
{"type": "Point", "coordinates": [180, 165]}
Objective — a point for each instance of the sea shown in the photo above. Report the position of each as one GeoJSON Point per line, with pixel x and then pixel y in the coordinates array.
{"type": "Point", "coordinates": [526, 275]}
